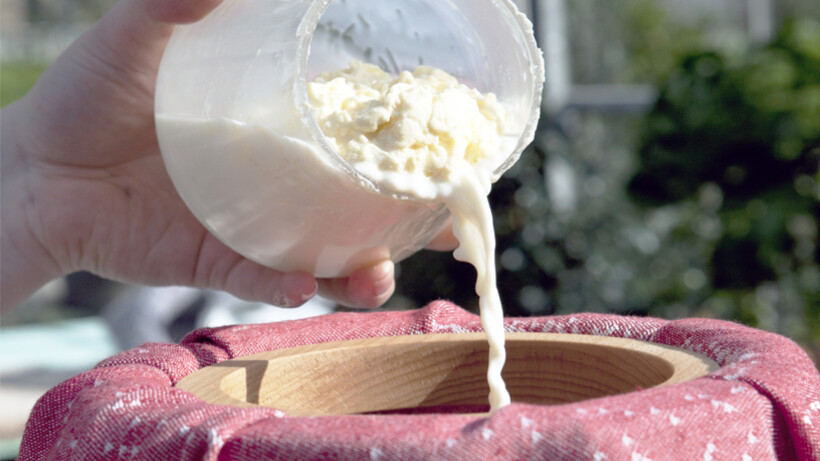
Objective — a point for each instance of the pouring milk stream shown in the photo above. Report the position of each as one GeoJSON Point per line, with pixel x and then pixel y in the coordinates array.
{"type": "Point", "coordinates": [263, 181]}
{"type": "Point", "coordinates": [428, 136]}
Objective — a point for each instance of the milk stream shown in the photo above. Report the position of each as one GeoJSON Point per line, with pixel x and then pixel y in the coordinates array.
{"type": "Point", "coordinates": [473, 227]}
{"type": "Point", "coordinates": [429, 136]}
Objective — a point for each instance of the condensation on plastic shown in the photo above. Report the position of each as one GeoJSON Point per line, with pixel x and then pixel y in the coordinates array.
{"type": "Point", "coordinates": [250, 60]}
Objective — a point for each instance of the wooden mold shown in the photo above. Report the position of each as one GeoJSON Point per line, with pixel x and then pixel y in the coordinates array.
{"type": "Point", "coordinates": [440, 373]}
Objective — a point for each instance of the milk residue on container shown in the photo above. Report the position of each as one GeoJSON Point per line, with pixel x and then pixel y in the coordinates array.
{"type": "Point", "coordinates": [282, 202]}
{"type": "Point", "coordinates": [425, 135]}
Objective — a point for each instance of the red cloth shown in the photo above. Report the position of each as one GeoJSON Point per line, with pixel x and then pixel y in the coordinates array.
{"type": "Point", "coordinates": [763, 403]}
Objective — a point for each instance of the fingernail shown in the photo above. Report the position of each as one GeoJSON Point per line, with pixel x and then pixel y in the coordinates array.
{"type": "Point", "coordinates": [370, 287]}
{"type": "Point", "coordinates": [383, 270]}
{"type": "Point", "coordinates": [298, 287]}
{"type": "Point", "coordinates": [383, 277]}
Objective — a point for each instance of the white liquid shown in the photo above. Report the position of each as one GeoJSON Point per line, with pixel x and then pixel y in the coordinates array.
{"type": "Point", "coordinates": [278, 201]}
{"type": "Point", "coordinates": [473, 227]}
{"type": "Point", "coordinates": [426, 135]}
{"type": "Point", "coordinates": [465, 195]}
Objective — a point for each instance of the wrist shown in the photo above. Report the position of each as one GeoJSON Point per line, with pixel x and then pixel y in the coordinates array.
{"type": "Point", "coordinates": [26, 262]}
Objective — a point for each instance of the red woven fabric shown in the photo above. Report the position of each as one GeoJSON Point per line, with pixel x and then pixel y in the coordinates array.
{"type": "Point", "coordinates": [763, 403]}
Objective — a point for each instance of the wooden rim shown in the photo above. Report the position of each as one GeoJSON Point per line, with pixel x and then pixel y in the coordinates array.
{"type": "Point", "coordinates": [442, 373]}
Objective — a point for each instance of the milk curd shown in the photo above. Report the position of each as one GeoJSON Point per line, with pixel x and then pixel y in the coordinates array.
{"type": "Point", "coordinates": [426, 135]}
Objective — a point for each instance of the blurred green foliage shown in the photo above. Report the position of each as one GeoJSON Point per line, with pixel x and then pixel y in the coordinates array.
{"type": "Point", "coordinates": [739, 137]}
{"type": "Point", "coordinates": [16, 79]}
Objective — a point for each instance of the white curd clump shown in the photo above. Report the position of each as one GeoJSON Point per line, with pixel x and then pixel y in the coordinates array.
{"type": "Point", "coordinates": [428, 136]}
{"type": "Point", "coordinates": [411, 131]}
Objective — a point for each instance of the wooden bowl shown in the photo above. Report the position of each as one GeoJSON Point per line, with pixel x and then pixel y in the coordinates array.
{"type": "Point", "coordinates": [441, 373]}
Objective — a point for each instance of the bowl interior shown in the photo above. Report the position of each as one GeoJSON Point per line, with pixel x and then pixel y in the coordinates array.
{"type": "Point", "coordinates": [441, 373]}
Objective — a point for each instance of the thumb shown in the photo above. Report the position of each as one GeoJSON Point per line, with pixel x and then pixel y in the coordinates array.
{"type": "Point", "coordinates": [179, 11]}
{"type": "Point", "coordinates": [140, 25]}
{"type": "Point", "coordinates": [112, 66]}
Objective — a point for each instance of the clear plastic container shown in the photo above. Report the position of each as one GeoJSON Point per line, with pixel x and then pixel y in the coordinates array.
{"type": "Point", "coordinates": [248, 158]}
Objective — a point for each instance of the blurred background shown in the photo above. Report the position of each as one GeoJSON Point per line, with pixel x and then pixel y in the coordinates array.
{"type": "Point", "coordinates": [674, 174]}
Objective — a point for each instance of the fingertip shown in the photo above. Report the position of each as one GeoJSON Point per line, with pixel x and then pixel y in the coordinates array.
{"type": "Point", "coordinates": [366, 288]}
{"type": "Point", "coordinates": [372, 286]}
{"type": "Point", "coordinates": [296, 288]}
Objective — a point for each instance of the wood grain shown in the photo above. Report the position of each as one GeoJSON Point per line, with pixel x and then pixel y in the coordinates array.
{"type": "Point", "coordinates": [440, 373]}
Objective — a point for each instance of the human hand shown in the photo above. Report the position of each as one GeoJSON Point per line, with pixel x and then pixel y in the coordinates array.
{"type": "Point", "coordinates": [85, 188]}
